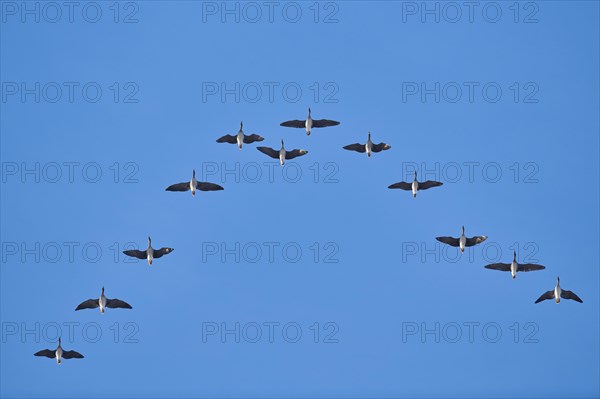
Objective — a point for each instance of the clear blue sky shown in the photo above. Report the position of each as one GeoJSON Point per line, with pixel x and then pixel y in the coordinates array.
{"type": "Point", "coordinates": [378, 290]}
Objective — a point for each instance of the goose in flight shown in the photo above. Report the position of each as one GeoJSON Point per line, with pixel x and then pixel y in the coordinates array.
{"type": "Point", "coordinates": [103, 303]}
{"type": "Point", "coordinates": [194, 185]}
{"type": "Point", "coordinates": [416, 185]}
{"type": "Point", "coordinates": [514, 267]}
{"type": "Point", "coordinates": [240, 138]}
{"type": "Point", "coordinates": [59, 353]}
{"type": "Point", "coordinates": [462, 241]}
{"type": "Point", "coordinates": [282, 154]}
{"type": "Point", "coordinates": [309, 123]}
{"type": "Point", "coordinates": [369, 147]}
{"type": "Point", "coordinates": [558, 293]}
{"type": "Point", "coordinates": [149, 253]}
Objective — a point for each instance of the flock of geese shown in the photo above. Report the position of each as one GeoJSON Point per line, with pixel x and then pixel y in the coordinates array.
{"type": "Point", "coordinates": [282, 154]}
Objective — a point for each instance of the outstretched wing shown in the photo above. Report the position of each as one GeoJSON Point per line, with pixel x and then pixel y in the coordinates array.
{"type": "Point", "coordinates": [46, 352]}
{"type": "Point", "coordinates": [402, 186]}
{"type": "Point", "coordinates": [228, 138]}
{"type": "Point", "coordinates": [252, 138]}
{"type": "Point", "coordinates": [204, 186]}
{"type": "Point", "coordinates": [295, 123]}
{"type": "Point", "coordinates": [324, 123]}
{"type": "Point", "coordinates": [295, 153]}
{"type": "Point", "coordinates": [179, 187]}
{"type": "Point", "coordinates": [136, 253]}
{"type": "Point", "coordinates": [428, 184]}
{"type": "Point", "coordinates": [355, 147]}
{"type": "Point", "coordinates": [546, 295]}
{"type": "Point", "coordinates": [448, 240]}
{"type": "Point", "coordinates": [89, 304]}
{"type": "Point", "coordinates": [117, 303]}
{"type": "Point", "coordinates": [269, 151]}
{"type": "Point", "coordinates": [475, 240]}
{"type": "Point", "coordinates": [380, 147]}
{"type": "Point", "coordinates": [503, 267]}
{"type": "Point", "coordinates": [529, 267]}
{"type": "Point", "coordinates": [570, 295]}
{"type": "Point", "coordinates": [72, 355]}
{"type": "Point", "coordinates": [160, 252]}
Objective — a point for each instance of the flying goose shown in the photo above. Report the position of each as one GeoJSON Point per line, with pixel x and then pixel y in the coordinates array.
{"type": "Point", "coordinates": [558, 293]}
{"type": "Point", "coordinates": [194, 185]}
{"type": "Point", "coordinates": [103, 302]}
{"type": "Point", "coordinates": [415, 185]}
{"type": "Point", "coordinates": [59, 353]}
{"type": "Point", "coordinates": [282, 154]}
{"type": "Point", "coordinates": [149, 253]}
{"type": "Point", "coordinates": [369, 147]}
{"type": "Point", "coordinates": [514, 267]}
{"type": "Point", "coordinates": [462, 241]}
{"type": "Point", "coordinates": [309, 123]}
{"type": "Point", "coordinates": [240, 138]}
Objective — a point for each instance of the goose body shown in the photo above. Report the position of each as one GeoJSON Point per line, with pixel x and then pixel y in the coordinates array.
{"type": "Point", "coordinates": [514, 267]}
{"type": "Point", "coordinates": [309, 123]}
{"type": "Point", "coordinates": [194, 185]}
{"type": "Point", "coordinates": [150, 253]}
{"type": "Point", "coordinates": [282, 154]}
{"type": "Point", "coordinates": [103, 302]}
{"type": "Point", "coordinates": [369, 147]}
{"type": "Point", "coordinates": [462, 242]}
{"type": "Point", "coordinates": [557, 293]}
{"type": "Point", "coordinates": [416, 185]}
{"type": "Point", "coordinates": [240, 138]}
{"type": "Point", "coordinates": [59, 353]}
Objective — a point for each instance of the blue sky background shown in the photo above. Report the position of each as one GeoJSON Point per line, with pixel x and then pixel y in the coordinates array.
{"type": "Point", "coordinates": [375, 288]}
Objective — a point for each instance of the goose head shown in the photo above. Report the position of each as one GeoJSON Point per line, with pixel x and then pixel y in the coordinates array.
{"type": "Point", "coordinates": [308, 111]}
{"type": "Point", "coordinates": [282, 144]}
{"type": "Point", "coordinates": [59, 342]}
{"type": "Point", "coordinates": [515, 255]}
{"type": "Point", "coordinates": [463, 230]}
{"type": "Point", "coordinates": [149, 242]}
{"type": "Point", "coordinates": [415, 175]}
{"type": "Point", "coordinates": [102, 291]}
{"type": "Point", "coordinates": [241, 126]}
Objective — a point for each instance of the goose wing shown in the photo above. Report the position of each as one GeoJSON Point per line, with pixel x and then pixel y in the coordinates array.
{"type": "Point", "coordinates": [252, 138]}
{"type": "Point", "coordinates": [428, 184]}
{"type": "Point", "coordinates": [160, 252]}
{"type": "Point", "coordinates": [179, 187]}
{"type": "Point", "coordinates": [529, 267]}
{"type": "Point", "coordinates": [46, 352]}
{"type": "Point", "coordinates": [570, 295]}
{"type": "Point", "coordinates": [402, 186]}
{"type": "Point", "coordinates": [475, 240]}
{"type": "Point", "coordinates": [324, 123]}
{"type": "Point", "coordinates": [72, 355]}
{"type": "Point", "coordinates": [228, 138]}
{"type": "Point", "coordinates": [295, 153]}
{"type": "Point", "coordinates": [545, 295]}
{"type": "Point", "coordinates": [117, 303]}
{"type": "Point", "coordinates": [449, 240]}
{"type": "Point", "coordinates": [503, 267]}
{"type": "Point", "coordinates": [269, 151]}
{"type": "Point", "coordinates": [355, 147]}
{"type": "Point", "coordinates": [380, 147]}
{"type": "Point", "coordinates": [204, 186]}
{"type": "Point", "coordinates": [89, 304]}
{"type": "Point", "coordinates": [295, 123]}
{"type": "Point", "coordinates": [135, 253]}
